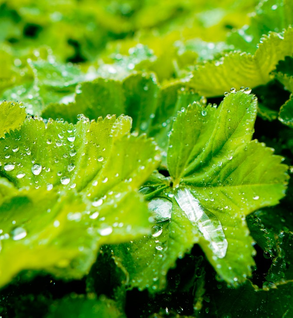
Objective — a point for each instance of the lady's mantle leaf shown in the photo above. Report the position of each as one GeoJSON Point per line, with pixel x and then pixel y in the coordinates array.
{"type": "Point", "coordinates": [286, 113]}
{"type": "Point", "coordinates": [77, 191]}
{"type": "Point", "coordinates": [240, 69]}
{"type": "Point", "coordinates": [151, 107]}
{"type": "Point", "coordinates": [52, 82]}
{"type": "Point", "coordinates": [78, 306]}
{"type": "Point", "coordinates": [12, 116]}
{"type": "Point", "coordinates": [246, 301]}
{"type": "Point", "coordinates": [218, 176]}
{"type": "Point", "coordinates": [270, 15]}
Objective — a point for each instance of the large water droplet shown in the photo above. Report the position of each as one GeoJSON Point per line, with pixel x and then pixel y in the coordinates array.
{"type": "Point", "coordinates": [106, 231]}
{"type": "Point", "coordinates": [9, 167]}
{"type": "Point", "coordinates": [71, 138]}
{"type": "Point", "coordinates": [247, 90]}
{"type": "Point", "coordinates": [97, 202]}
{"type": "Point", "coordinates": [36, 169]}
{"type": "Point", "coordinates": [70, 167]}
{"type": "Point", "coordinates": [18, 233]}
{"type": "Point", "coordinates": [161, 208]}
{"type": "Point", "coordinates": [157, 231]}
{"type": "Point", "coordinates": [65, 180]}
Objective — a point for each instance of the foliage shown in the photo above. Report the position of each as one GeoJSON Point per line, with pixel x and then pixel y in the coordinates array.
{"type": "Point", "coordinates": [137, 171]}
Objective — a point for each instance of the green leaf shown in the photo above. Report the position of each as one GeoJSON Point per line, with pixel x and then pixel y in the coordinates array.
{"type": "Point", "coordinates": [238, 69]}
{"type": "Point", "coordinates": [73, 179]}
{"type": "Point", "coordinates": [272, 228]}
{"type": "Point", "coordinates": [270, 98]}
{"type": "Point", "coordinates": [270, 15]}
{"type": "Point", "coordinates": [12, 116]}
{"type": "Point", "coordinates": [247, 301]}
{"type": "Point", "coordinates": [53, 82]}
{"type": "Point", "coordinates": [148, 260]}
{"type": "Point", "coordinates": [218, 176]}
{"type": "Point", "coordinates": [82, 306]}
{"type": "Point", "coordinates": [92, 99]}
{"type": "Point", "coordinates": [286, 113]}
{"type": "Point", "coordinates": [151, 107]}
{"type": "Point", "coordinates": [283, 73]}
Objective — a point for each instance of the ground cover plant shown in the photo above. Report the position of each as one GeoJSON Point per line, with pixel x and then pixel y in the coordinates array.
{"type": "Point", "coordinates": [146, 158]}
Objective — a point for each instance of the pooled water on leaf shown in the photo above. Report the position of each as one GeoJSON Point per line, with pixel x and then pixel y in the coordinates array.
{"type": "Point", "coordinates": [162, 209]}
{"type": "Point", "coordinates": [209, 225]}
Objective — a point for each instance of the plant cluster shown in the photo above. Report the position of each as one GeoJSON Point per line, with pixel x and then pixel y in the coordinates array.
{"type": "Point", "coordinates": [145, 153]}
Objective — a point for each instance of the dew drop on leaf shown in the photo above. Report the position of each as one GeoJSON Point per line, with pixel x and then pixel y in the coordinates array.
{"type": "Point", "coordinates": [20, 175]}
{"type": "Point", "coordinates": [157, 231]}
{"type": "Point", "coordinates": [18, 233]}
{"type": "Point", "coordinates": [97, 202]}
{"type": "Point", "coordinates": [36, 169]}
{"type": "Point", "coordinates": [106, 231]}
{"type": "Point", "coordinates": [65, 180]}
{"type": "Point", "coordinates": [247, 90]}
{"type": "Point", "coordinates": [71, 138]}
{"type": "Point", "coordinates": [9, 167]}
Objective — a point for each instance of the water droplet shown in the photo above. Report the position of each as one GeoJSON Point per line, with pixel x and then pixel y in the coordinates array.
{"type": "Point", "coordinates": [232, 90]}
{"type": "Point", "coordinates": [256, 197]}
{"type": "Point", "coordinates": [144, 126]}
{"type": "Point", "coordinates": [65, 180]}
{"type": "Point", "coordinates": [70, 167]}
{"type": "Point", "coordinates": [274, 7]}
{"type": "Point", "coordinates": [94, 215]}
{"type": "Point", "coordinates": [97, 202]}
{"type": "Point", "coordinates": [15, 149]}
{"type": "Point", "coordinates": [36, 169]}
{"type": "Point", "coordinates": [56, 223]}
{"type": "Point", "coordinates": [49, 186]}
{"type": "Point", "coordinates": [18, 233]}
{"type": "Point", "coordinates": [105, 180]}
{"type": "Point", "coordinates": [74, 216]}
{"type": "Point", "coordinates": [247, 90]}
{"type": "Point", "coordinates": [9, 167]}
{"type": "Point", "coordinates": [159, 248]}
{"type": "Point", "coordinates": [71, 138]}
{"type": "Point", "coordinates": [20, 175]}
{"type": "Point", "coordinates": [203, 112]}
{"type": "Point", "coordinates": [157, 231]}
{"type": "Point", "coordinates": [106, 231]}
{"type": "Point", "coordinates": [100, 159]}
